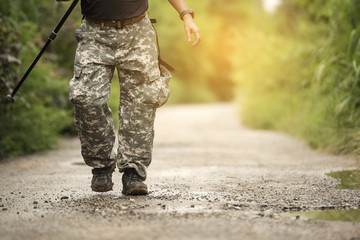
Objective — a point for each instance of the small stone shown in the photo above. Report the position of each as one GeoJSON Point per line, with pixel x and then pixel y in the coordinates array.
{"type": "Point", "coordinates": [192, 205]}
{"type": "Point", "coordinates": [35, 202]}
{"type": "Point", "coordinates": [297, 217]}
{"type": "Point", "coordinates": [64, 198]}
{"type": "Point", "coordinates": [4, 209]}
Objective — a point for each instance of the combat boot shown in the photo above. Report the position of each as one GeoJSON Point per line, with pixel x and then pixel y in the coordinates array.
{"type": "Point", "coordinates": [102, 179]}
{"type": "Point", "coordinates": [133, 184]}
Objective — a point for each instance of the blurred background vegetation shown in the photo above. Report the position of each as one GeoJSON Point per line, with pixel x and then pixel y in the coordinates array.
{"type": "Point", "coordinates": [295, 70]}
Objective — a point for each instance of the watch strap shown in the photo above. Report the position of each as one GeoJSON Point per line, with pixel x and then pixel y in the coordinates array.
{"type": "Point", "coordinates": [188, 11]}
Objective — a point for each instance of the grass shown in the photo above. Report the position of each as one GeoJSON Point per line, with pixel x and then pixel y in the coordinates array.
{"type": "Point", "coordinates": [349, 179]}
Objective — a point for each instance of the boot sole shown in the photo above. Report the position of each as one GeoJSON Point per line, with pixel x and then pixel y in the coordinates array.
{"type": "Point", "coordinates": [135, 191]}
{"type": "Point", "coordinates": [103, 188]}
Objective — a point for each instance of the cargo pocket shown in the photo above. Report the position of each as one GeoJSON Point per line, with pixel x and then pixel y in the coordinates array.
{"type": "Point", "coordinates": [164, 94]}
{"type": "Point", "coordinates": [157, 93]}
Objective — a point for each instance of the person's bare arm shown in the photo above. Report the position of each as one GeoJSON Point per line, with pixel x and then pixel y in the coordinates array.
{"type": "Point", "coordinates": [189, 24]}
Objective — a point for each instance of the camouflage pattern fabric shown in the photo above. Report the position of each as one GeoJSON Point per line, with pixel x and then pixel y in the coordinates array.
{"type": "Point", "coordinates": [143, 88]}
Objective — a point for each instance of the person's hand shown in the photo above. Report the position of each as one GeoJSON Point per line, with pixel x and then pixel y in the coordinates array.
{"type": "Point", "coordinates": [191, 28]}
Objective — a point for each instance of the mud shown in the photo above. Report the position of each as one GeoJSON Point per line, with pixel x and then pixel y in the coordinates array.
{"type": "Point", "coordinates": [211, 178]}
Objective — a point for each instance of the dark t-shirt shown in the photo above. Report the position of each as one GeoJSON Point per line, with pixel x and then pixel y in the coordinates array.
{"type": "Point", "coordinates": [113, 9]}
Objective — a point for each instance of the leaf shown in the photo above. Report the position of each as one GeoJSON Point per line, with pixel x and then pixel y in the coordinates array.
{"type": "Point", "coordinates": [353, 43]}
{"type": "Point", "coordinates": [320, 71]}
{"type": "Point", "coordinates": [356, 68]}
{"type": "Point", "coordinates": [341, 106]}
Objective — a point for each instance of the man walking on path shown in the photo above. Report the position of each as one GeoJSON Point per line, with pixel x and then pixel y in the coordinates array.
{"type": "Point", "coordinates": [118, 34]}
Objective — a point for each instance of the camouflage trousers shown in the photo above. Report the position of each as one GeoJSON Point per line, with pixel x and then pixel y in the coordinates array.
{"type": "Point", "coordinates": [143, 88]}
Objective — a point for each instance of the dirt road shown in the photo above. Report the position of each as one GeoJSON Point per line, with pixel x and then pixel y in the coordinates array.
{"type": "Point", "coordinates": [211, 178]}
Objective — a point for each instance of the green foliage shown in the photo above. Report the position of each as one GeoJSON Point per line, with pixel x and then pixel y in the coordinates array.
{"type": "Point", "coordinates": [41, 111]}
{"type": "Point", "coordinates": [348, 179]}
{"type": "Point", "coordinates": [300, 73]}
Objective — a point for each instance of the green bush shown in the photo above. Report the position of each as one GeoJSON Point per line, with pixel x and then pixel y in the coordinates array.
{"type": "Point", "coordinates": [300, 73]}
{"type": "Point", "coordinates": [41, 111]}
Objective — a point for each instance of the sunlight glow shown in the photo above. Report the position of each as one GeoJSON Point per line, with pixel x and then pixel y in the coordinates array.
{"type": "Point", "coordinates": [271, 5]}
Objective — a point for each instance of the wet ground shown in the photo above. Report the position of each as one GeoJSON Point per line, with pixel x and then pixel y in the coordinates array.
{"type": "Point", "coordinates": [211, 178]}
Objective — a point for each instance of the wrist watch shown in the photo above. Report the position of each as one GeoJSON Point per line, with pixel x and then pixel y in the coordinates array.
{"type": "Point", "coordinates": [188, 11]}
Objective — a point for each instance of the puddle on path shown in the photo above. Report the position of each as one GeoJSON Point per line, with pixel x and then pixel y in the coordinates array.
{"type": "Point", "coordinates": [351, 215]}
{"type": "Point", "coordinates": [348, 179]}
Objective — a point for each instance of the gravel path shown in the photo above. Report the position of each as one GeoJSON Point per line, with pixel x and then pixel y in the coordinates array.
{"type": "Point", "coordinates": [211, 178]}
